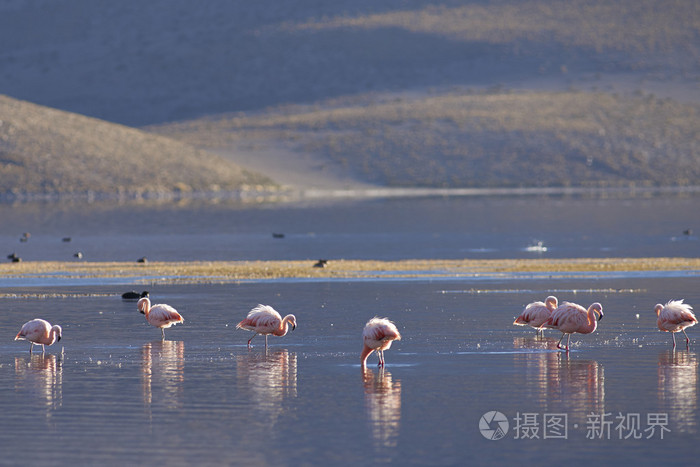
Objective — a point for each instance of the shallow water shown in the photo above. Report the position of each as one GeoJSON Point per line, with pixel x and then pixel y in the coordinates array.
{"type": "Point", "coordinates": [111, 392]}
{"type": "Point", "coordinates": [385, 229]}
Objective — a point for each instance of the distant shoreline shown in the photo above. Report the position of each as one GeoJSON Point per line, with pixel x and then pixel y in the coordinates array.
{"type": "Point", "coordinates": [395, 192]}
{"type": "Point", "coordinates": [292, 193]}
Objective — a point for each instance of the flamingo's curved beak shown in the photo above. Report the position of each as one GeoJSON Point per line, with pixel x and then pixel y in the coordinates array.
{"type": "Point", "coordinates": [600, 315]}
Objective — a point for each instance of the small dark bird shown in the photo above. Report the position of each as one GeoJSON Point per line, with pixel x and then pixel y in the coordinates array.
{"type": "Point", "coordinates": [78, 254]}
{"type": "Point", "coordinates": [142, 259]}
{"type": "Point", "coordinates": [16, 259]}
{"type": "Point", "coordinates": [12, 255]}
{"type": "Point", "coordinates": [321, 263]}
{"type": "Point", "coordinates": [25, 237]}
{"type": "Point", "coordinates": [688, 232]}
{"type": "Point", "coordinates": [134, 295]}
{"type": "Point", "coordinates": [67, 239]}
{"type": "Point", "coordinates": [277, 235]}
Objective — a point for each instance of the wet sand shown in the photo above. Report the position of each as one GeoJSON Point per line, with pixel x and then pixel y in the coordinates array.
{"type": "Point", "coordinates": [213, 272]}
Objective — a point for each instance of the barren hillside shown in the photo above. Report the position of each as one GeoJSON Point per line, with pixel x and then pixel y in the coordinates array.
{"type": "Point", "coordinates": [383, 92]}
{"type": "Point", "coordinates": [490, 139]}
{"type": "Point", "coordinates": [48, 152]}
{"type": "Point", "coordinates": [141, 63]}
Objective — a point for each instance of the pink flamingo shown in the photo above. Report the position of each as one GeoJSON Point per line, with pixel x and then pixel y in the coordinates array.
{"type": "Point", "coordinates": [570, 318]}
{"type": "Point", "coordinates": [263, 319]}
{"type": "Point", "coordinates": [675, 316]}
{"type": "Point", "coordinates": [161, 316]}
{"type": "Point", "coordinates": [537, 313]}
{"type": "Point", "coordinates": [378, 335]}
{"type": "Point", "coordinates": [38, 331]}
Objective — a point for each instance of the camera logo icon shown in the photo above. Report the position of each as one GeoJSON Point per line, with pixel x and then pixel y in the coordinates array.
{"type": "Point", "coordinates": [493, 425]}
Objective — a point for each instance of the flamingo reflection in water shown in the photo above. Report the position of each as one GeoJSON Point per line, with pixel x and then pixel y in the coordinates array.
{"type": "Point", "coordinates": [560, 383]}
{"type": "Point", "coordinates": [579, 385]}
{"type": "Point", "coordinates": [272, 379]}
{"type": "Point", "coordinates": [162, 372]}
{"type": "Point", "coordinates": [540, 359]}
{"type": "Point", "coordinates": [383, 405]}
{"type": "Point", "coordinates": [678, 388]}
{"type": "Point", "coordinates": [43, 375]}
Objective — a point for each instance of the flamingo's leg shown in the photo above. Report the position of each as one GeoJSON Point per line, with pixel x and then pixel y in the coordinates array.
{"type": "Point", "coordinates": [251, 339]}
{"type": "Point", "coordinates": [673, 335]}
{"type": "Point", "coordinates": [560, 339]}
{"type": "Point", "coordinates": [687, 339]}
{"type": "Point", "coordinates": [540, 329]}
{"type": "Point", "coordinates": [162, 333]}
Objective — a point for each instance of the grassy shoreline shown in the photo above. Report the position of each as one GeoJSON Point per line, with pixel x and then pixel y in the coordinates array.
{"type": "Point", "coordinates": [232, 271]}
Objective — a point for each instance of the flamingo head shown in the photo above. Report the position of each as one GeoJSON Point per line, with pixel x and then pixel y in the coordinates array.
{"type": "Point", "coordinates": [551, 302]}
{"type": "Point", "coordinates": [598, 310]}
{"type": "Point", "coordinates": [291, 319]}
{"type": "Point", "coordinates": [58, 331]}
{"type": "Point", "coordinates": [658, 308]}
{"type": "Point", "coordinates": [143, 305]}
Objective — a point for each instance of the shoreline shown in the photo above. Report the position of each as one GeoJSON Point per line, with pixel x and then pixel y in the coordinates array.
{"type": "Point", "coordinates": [410, 192]}
{"type": "Point", "coordinates": [285, 194]}
{"type": "Point", "coordinates": [28, 274]}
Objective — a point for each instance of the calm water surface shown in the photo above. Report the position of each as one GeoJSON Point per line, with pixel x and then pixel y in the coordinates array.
{"type": "Point", "coordinates": [367, 229]}
{"type": "Point", "coordinates": [112, 393]}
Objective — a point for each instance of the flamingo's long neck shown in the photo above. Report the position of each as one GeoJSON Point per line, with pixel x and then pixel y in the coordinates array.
{"type": "Point", "coordinates": [52, 335]}
{"type": "Point", "coordinates": [592, 322]}
{"type": "Point", "coordinates": [146, 308]}
{"type": "Point", "coordinates": [365, 353]}
{"type": "Point", "coordinates": [284, 326]}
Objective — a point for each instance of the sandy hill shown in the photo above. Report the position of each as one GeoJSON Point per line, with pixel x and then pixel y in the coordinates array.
{"type": "Point", "coordinates": [458, 140]}
{"type": "Point", "coordinates": [387, 92]}
{"type": "Point", "coordinates": [48, 152]}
